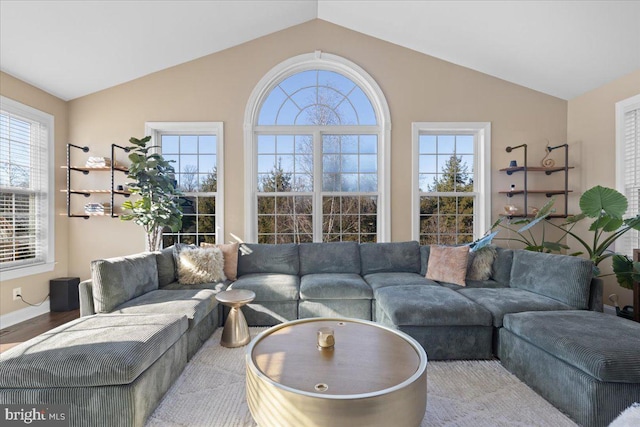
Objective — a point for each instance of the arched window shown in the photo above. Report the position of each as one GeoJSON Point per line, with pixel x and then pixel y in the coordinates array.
{"type": "Point", "coordinates": [317, 131]}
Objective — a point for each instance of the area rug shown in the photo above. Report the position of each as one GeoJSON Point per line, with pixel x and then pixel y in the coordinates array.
{"type": "Point", "coordinates": [211, 392]}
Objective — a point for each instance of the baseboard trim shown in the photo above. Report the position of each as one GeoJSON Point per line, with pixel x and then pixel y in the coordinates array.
{"type": "Point", "coordinates": [23, 314]}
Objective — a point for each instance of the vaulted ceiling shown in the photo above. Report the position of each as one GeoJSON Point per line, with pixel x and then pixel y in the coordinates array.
{"type": "Point", "coordinates": [561, 48]}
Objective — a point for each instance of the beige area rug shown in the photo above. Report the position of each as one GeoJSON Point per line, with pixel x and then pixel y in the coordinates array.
{"type": "Point", "coordinates": [211, 392]}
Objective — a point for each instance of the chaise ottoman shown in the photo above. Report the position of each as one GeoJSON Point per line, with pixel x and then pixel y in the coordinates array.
{"type": "Point", "coordinates": [110, 369]}
{"type": "Point", "coordinates": [586, 363]}
{"type": "Point", "coordinates": [448, 325]}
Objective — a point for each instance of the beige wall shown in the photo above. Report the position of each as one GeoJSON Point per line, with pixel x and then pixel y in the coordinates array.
{"type": "Point", "coordinates": [36, 287]}
{"type": "Point", "coordinates": [591, 124]}
{"type": "Point", "coordinates": [216, 88]}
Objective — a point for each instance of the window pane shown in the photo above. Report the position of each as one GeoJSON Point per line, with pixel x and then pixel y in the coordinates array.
{"type": "Point", "coordinates": [196, 173]}
{"type": "Point", "coordinates": [349, 218]}
{"type": "Point", "coordinates": [24, 214]}
{"type": "Point", "coordinates": [317, 97]}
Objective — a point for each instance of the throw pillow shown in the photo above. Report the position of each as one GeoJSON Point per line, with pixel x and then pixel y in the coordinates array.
{"type": "Point", "coordinates": [199, 265]}
{"type": "Point", "coordinates": [448, 264]}
{"type": "Point", "coordinates": [230, 256]}
{"type": "Point", "coordinates": [481, 263]}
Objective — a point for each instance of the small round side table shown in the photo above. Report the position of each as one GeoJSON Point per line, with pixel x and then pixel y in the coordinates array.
{"type": "Point", "coordinates": [236, 331]}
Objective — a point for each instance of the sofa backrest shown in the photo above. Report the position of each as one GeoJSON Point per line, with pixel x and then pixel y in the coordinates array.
{"type": "Point", "coordinates": [501, 268]}
{"type": "Point", "coordinates": [390, 257]}
{"type": "Point", "coordinates": [331, 257]}
{"type": "Point", "coordinates": [266, 258]}
{"type": "Point", "coordinates": [564, 278]}
{"type": "Point", "coordinates": [118, 280]}
{"type": "Point", "coordinates": [166, 266]}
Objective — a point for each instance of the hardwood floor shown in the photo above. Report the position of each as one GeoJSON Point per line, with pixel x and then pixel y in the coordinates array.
{"type": "Point", "coordinates": [21, 332]}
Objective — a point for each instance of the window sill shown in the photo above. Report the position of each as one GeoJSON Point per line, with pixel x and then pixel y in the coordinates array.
{"type": "Point", "coordinates": [18, 272]}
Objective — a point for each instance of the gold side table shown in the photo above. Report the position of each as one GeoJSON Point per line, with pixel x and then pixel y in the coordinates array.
{"type": "Point", "coordinates": [236, 331]}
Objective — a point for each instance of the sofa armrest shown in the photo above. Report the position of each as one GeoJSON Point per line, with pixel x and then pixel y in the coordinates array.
{"type": "Point", "coordinates": [85, 293]}
{"type": "Point", "coordinates": [595, 295]}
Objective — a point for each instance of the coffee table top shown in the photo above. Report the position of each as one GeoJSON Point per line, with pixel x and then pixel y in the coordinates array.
{"type": "Point", "coordinates": [367, 357]}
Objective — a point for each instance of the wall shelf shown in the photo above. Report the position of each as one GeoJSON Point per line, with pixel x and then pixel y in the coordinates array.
{"type": "Point", "coordinates": [85, 170]}
{"type": "Point", "coordinates": [526, 191]}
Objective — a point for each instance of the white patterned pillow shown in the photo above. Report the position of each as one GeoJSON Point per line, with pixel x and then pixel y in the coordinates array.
{"type": "Point", "coordinates": [200, 265]}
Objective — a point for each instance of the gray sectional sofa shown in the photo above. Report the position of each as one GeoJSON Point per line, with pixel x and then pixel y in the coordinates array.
{"type": "Point", "coordinates": [384, 282]}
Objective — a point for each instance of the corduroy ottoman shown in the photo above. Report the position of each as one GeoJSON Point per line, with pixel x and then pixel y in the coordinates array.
{"type": "Point", "coordinates": [448, 325]}
{"type": "Point", "coordinates": [109, 369]}
{"type": "Point", "coordinates": [586, 363]}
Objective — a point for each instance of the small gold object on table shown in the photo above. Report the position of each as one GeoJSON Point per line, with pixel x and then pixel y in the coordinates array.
{"type": "Point", "coordinates": [336, 372]}
{"type": "Point", "coordinates": [236, 331]}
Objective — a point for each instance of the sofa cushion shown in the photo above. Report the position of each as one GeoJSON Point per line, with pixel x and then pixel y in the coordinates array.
{"type": "Point", "coordinates": [390, 257]}
{"type": "Point", "coordinates": [381, 280]}
{"type": "Point", "coordinates": [424, 258]}
{"type": "Point", "coordinates": [214, 286]}
{"type": "Point", "coordinates": [200, 265]}
{"type": "Point", "coordinates": [334, 286]}
{"type": "Point", "coordinates": [448, 264]}
{"type": "Point", "coordinates": [475, 284]}
{"type": "Point", "coordinates": [604, 346]}
{"type": "Point", "coordinates": [229, 255]}
{"type": "Point", "coordinates": [509, 300]}
{"type": "Point", "coordinates": [481, 263]}
{"type": "Point", "coordinates": [166, 266]}
{"type": "Point", "coordinates": [117, 280]}
{"type": "Point", "coordinates": [429, 306]}
{"type": "Point", "coordinates": [561, 277]}
{"type": "Point", "coordinates": [270, 286]}
{"type": "Point", "coordinates": [263, 258]}
{"type": "Point", "coordinates": [501, 269]}
{"type": "Point", "coordinates": [333, 257]}
{"type": "Point", "coordinates": [100, 350]}
{"type": "Point", "coordinates": [195, 304]}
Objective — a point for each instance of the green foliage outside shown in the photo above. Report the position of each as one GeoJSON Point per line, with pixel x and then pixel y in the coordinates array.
{"type": "Point", "coordinates": [448, 219]}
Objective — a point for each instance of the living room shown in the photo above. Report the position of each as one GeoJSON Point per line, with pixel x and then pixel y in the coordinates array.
{"type": "Point", "coordinates": [418, 86]}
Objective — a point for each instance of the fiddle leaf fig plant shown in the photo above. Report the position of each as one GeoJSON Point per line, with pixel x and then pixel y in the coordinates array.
{"type": "Point", "coordinates": [157, 205]}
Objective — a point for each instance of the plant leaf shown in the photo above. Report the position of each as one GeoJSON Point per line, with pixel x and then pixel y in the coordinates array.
{"type": "Point", "coordinates": [623, 268]}
{"type": "Point", "coordinates": [554, 246]}
{"type": "Point", "coordinates": [606, 223]}
{"type": "Point", "coordinates": [602, 199]}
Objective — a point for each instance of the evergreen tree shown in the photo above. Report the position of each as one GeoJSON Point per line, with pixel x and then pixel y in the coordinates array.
{"type": "Point", "coordinates": [444, 217]}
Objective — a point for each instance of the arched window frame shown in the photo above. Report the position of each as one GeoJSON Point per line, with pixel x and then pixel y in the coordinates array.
{"type": "Point", "coordinates": [321, 61]}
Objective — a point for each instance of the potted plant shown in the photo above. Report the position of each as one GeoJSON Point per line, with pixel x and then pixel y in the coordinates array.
{"type": "Point", "coordinates": [604, 205]}
{"type": "Point", "coordinates": [157, 206]}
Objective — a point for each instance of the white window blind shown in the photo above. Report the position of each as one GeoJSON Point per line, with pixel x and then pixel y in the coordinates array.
{"type": "Point", "coordinates": [631, 176]}
{"type": "Point", "coordinates": [26, 230]}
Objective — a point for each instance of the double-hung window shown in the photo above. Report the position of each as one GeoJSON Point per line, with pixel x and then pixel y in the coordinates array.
{"type": "Point", "coordinates": [451, 189]}
{"type": "Point", "coordinates": [318, 148]}
{"type": "Point", "coordinates": [196, 152]}
{"type": "Point", "coordinates": [628, 166]}
{"type": "Point", "coordinates": [26, 190]}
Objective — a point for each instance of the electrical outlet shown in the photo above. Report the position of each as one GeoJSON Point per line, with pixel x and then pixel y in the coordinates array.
{"type": "Point", "coordinates": [16, 293]}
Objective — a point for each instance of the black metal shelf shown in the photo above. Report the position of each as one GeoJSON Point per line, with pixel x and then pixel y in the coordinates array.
{"type": "Point", "coordinates": [112, 168]}
{"type": "Point", "coordinates": [547, 171]}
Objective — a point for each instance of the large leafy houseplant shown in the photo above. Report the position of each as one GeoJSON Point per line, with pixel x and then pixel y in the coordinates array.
{"type": "Point", "coordinates": [605, 206]}
{"type": "Point", "coordinates": [157, 206]}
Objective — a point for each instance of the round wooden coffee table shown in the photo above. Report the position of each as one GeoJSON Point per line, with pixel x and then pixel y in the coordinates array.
{"type": "Point", "coordinates": [372, 376]}
{"type": "Point", "coordinates": [236, 331]}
